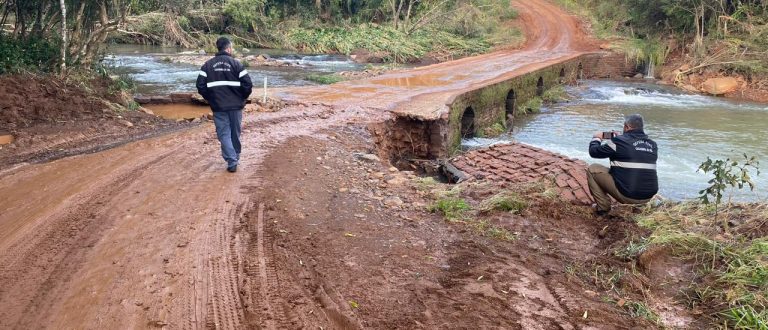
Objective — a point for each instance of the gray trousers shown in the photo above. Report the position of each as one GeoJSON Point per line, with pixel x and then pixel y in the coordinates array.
{"type": "Point", "coordinates": [601, 185]}
{"type": "Point", "coordinates": [228, 131]}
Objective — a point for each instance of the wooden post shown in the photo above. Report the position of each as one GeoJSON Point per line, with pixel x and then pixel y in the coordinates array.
{"type": "Point", "coordinates": [265, 91]}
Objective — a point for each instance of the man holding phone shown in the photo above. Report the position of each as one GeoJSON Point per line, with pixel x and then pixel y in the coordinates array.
{"type": "Point", "coordinates": [632, 177]}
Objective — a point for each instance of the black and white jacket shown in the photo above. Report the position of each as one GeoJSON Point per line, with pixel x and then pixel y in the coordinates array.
{"type": "Point", "coordinates": [224, 83]}
{"type": "Point", "coordinates": [633, 163]}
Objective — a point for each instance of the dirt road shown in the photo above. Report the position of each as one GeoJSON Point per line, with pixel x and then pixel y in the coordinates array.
{"type": "Point", "coordinates": [552, 36]}
{"type": "Point", "coordinates": [156, 234]}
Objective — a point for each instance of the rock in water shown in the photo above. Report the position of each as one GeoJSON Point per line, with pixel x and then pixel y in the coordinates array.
{"type": "Point", "coordinates": [720, 86]}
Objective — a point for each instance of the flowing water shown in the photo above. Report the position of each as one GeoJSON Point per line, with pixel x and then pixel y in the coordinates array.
{"type": "Point", "coordinates": [154, 76]}
{"type": "Point", "coordinates": [688, 128]}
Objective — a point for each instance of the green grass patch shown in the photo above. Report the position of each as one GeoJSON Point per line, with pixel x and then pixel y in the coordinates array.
{"type": "Point", "coordinates": [554, 95]}
{"type": "Point", "coordinates": [325, 79]}
{"type": "Point", "coordinates": [452, 208]}
{"type": "Point", "coordinates": [732, 269]}
{"type": "Point", "coordinates": [531, 106]}
{"type": "Point", "coordinates": [505, 201]}
{"type": "Point", "coordinates": [495, 130]}
{"type": "Point", "coordinates": [640, 309]}
{"type": "Point", "coordinates": [746, 317]}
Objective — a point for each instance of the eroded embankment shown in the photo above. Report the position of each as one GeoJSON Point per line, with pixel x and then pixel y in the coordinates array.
{"type": "Point", "coordinates": [339, 240]}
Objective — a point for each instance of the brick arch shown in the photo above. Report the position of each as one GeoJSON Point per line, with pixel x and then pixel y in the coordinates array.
{"type": "Point", "coordinates": [510, 105]}
{"type": "Point", "coordinates": [540, 86]}
{"type": "Point", "coordinates": [561, 78]}
{"type": "Point", "coordinates": [468, 123]}
{"type": "Point", "coordinates": [580, 71]}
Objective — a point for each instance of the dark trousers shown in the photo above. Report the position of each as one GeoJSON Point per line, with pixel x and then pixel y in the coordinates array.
{"type": "Point", "coordinates": [228, 131]}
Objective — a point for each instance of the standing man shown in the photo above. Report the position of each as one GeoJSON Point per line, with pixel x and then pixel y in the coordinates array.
{"type": "Point", "coordinates": [632, 177]}
{"type": "Point", "coordinates": [226, 85]}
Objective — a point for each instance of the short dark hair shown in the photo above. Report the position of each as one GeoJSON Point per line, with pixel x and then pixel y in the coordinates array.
{"type": "Point", "coordinates": [634, 121]}
{"type": "Point", "coordinates": [223, 43]}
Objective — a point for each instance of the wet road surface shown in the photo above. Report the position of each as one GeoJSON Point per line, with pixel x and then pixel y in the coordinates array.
{"type": "Point", "coordinates": [146, 235]}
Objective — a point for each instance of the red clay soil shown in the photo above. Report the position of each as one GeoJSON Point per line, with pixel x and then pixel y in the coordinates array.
{"type": "Point", "coordinates": [50, 118]}
{"type": "Point", "coordinates": [312, 231]}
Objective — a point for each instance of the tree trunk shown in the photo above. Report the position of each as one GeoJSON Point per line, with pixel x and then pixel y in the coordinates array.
{"type": "Point", "coordinates": [63, 35]}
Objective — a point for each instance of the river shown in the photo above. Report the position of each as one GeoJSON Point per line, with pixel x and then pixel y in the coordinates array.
{"type": "Point", "coordinates": [154, 76]}
{"type": "Point", "coordinates": [688, 128]}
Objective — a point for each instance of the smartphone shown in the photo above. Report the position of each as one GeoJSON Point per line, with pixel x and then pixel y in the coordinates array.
{"type": "Point", "coordinates": [607, 135]}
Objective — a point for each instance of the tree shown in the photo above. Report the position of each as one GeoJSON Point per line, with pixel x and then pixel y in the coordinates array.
{"type": "Point", "coordinates": [63, 5]}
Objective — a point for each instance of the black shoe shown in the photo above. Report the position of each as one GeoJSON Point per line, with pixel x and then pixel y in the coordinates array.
{"type": "Point", "coordinates": [232, 169]}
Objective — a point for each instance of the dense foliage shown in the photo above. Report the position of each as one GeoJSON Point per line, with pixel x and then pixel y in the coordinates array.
{"type": "Point", "coordinates": [733, 33]}
{"type": "Point", "coordinates": [29, 53]}
{"type": "Point", "coordinates": [394, 30]}
{"type": "Point", "coordinates": [32, 26]}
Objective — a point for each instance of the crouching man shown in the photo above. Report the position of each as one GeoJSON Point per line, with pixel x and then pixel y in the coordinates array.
{"type": "Point", "coordinates": [632, 177]}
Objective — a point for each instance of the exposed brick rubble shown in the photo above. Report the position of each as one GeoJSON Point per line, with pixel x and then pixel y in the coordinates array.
{"type": "Point", "coordinates": [520, 163]}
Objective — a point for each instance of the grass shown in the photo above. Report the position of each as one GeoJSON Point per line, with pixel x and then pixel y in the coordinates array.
{"type": "Point", "coordinates": [456, 209]}
{"type": "Point", "coordinates": [746, 317]}
{"type": "Point", "coordinates": [732, 269]}
{"type": "Point", "coordinates": [640, 309]}
{"type": "Point", "coordinates": [505, 201]}
{"type": "Point", "coordinates": [453, 209]}
{"type": "Point", "coordinates": [532, 106]}
{"type": "Point", "coordinates": [495, 130]}
{"type": "Point", "coordinates": [426, 183]}
{"type": "Point", "coordinates": [554, 95]}
{"type": "Point", "coordinates": [325, 79]}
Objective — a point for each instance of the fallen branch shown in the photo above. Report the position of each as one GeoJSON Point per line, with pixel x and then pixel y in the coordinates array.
{"type": "Point", "coordinates": [704, 65]}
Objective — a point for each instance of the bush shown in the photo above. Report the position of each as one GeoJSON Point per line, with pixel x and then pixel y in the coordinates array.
{"type": "Point", "coordinates": [554, 95]}
{"type": "Point", "coordinates": [28, 54]}
{"type": "Point", "coordinates": [325, 79]}
{"type": "Point", "coordinates": [245, 13]}
{"type": "Point", "coordinates": [532, 106]}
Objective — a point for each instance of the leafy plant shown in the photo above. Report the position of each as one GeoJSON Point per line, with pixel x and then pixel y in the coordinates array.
{"type": "Point", "coordinates": [727, 173]}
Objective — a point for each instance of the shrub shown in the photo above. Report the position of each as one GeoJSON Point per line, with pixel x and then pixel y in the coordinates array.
{"type": "Point", "coordinates": [532, 106]}
{"type": "Point", "coordinates": [28, 54]}
{"type": "Point", "coordinates": [325, 79]}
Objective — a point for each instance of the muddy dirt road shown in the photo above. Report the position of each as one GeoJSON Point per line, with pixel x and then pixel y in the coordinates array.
{"type": "Point", "coordinates": [552, 36]}
{"type": "Point", "coordinates": [155, 234]}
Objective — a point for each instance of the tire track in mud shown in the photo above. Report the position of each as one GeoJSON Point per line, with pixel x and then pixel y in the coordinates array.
{"type": "Point", "coordinates": [35, 267]}
{"type": "Point", "coordinates": [261, 286]}
{"type": "Point", "coordinates": [224, 308]}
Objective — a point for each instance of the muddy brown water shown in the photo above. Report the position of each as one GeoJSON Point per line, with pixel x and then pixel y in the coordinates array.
{"type": "Point", "coordinates": [6, 139]}
{"type": "Point", "coordinates": [179, 111]}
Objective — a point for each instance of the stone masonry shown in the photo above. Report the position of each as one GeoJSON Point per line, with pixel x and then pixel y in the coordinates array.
{"type": "Point", "coordinates": [521, 163]}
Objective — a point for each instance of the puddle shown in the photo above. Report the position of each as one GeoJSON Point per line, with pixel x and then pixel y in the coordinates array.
{"type": "Point", "coordinates": [424, 80]}
{"type": "Point", "coordinates": [179, 111]}
{"type": "Point", "coordinates": [6, 139]}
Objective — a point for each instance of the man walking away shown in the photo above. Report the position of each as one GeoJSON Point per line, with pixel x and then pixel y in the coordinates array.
{"type": "Point", "coordinates": [632, 177]}
{"type": "Point", "coordinates": [226, 85]}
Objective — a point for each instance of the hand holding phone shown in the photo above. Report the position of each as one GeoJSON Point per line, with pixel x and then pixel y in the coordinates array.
{"type": "Point", "coordinates": [608, 135]}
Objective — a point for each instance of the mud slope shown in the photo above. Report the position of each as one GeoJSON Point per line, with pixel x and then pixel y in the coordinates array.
{"type": "Point", "coordinates": [156, 234]}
